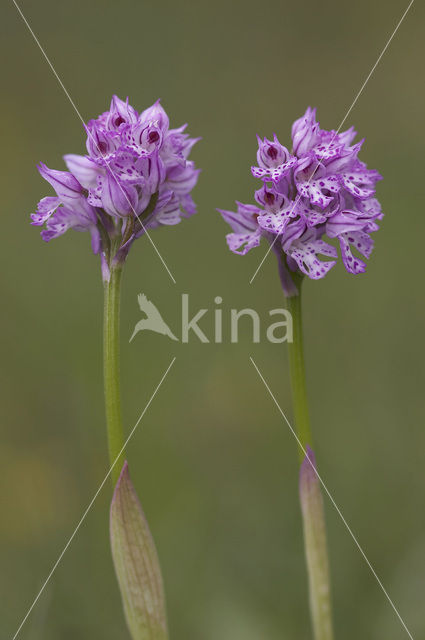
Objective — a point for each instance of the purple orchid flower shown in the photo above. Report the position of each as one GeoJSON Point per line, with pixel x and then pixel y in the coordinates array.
{"type": "Point", "coordinates": [318, 189]}
{"type": "Point", "coordinates": [136, 175]}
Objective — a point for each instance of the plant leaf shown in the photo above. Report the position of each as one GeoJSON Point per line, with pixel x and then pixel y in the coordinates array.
{"type": "Point", "coordinates": [136, 564]}
{"type": "Point", "coordinates": [316, 547]}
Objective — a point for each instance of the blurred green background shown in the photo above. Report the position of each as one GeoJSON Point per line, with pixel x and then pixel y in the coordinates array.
{"type": "Point", "coordinates": [213, 461]}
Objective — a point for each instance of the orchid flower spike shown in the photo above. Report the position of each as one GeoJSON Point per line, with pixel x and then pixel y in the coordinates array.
{"type": "Point", "coordinates": [135, 176]}
{"type": "Point", "coordinates": [320, 188]}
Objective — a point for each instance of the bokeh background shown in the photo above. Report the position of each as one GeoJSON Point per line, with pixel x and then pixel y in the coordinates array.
{"type": "Point", "coordinates": [213, 461]}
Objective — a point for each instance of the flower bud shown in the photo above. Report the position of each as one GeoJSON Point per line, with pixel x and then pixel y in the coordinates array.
{"type": "Point", "coordinates": [305, 132]}
{"type": "Point", "coordinates": [271, 154]}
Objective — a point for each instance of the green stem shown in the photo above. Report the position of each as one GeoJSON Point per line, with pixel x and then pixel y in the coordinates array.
{"type": "Point", "coordinates": [111, 370]}
{"type": "Point", "coordinates": [314, 526]}
{"type": "Point", "coordinates": [297, 374]}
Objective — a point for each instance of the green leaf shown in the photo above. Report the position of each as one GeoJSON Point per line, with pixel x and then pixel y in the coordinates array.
{"type": "Point", "coordinates": [136, 564]}
{"type": "Point", "coordinates": [316, 547]}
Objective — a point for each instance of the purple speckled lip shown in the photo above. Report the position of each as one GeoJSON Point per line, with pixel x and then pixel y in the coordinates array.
{"type": "Point", "coordinates": [319, 189]}
{"type": "Point", "coordinates": [134, 164]}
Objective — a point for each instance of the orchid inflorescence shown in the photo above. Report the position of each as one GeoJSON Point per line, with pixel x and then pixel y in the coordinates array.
{"type": "Point", "coordinates": [135, 176]}
{"type": "Point", "coordinates": [318, 189]}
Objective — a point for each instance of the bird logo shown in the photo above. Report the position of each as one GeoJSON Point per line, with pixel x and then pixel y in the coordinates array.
{"type": "Point", "coordinates": [153, 320]}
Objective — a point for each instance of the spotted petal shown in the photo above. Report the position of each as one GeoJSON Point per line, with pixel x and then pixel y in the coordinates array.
{"type": "Point", "coordinates": [45, 209]}
{"type": "Point", "coordinates": [64, 219]}
{"type": "Point", "coordinates": [358, 184]}
{"type": "Point", "coordinates": [304, 251]}
{"type": "Point", "coordinates": [275, 174]}
{"type": "Point", "coordinates": [276, 223]}
{"type": "Point", "coordinates": [360, 241]}
{"type": "Point", "coordinates": [313, 190]}
{"type": "Point", "coordinates": [241, 243]}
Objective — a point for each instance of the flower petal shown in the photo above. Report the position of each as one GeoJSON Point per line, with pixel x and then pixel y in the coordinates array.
{"type": "Point", "coordinates": [65, 184]}
{"type": "Point", "coordinates": [241, 243]}
{"type": "Point", "coordinates": [45, 208]}
{"type": "Point", "coordinates": [304, 251]}
{"type": "Point", "coordinates": [244, 219]}
{"type": "Point", "coordinates": [351, 262]}
{"type": "Point", "coordinates": [117, 199]}
{"type": "Point", "coordinates": [83, 168]}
